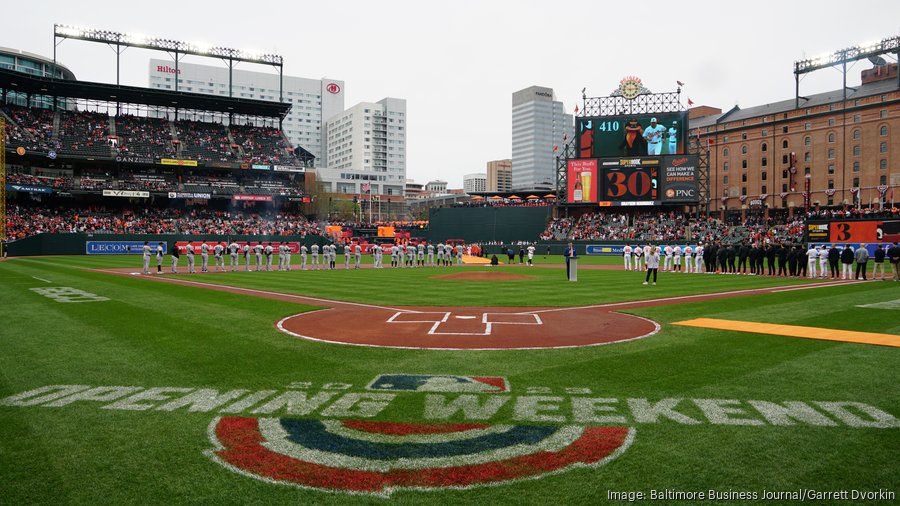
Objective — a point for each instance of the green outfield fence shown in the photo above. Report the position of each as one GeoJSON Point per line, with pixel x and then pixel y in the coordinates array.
{"type": "Point", "coordinates": [487, 224]}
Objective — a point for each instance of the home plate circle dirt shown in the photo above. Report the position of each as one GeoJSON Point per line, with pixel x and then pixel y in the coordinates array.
{"type": "Point", "coordinates": [484, 276]}
{"type": "Point", "coordinates": [467, 328]}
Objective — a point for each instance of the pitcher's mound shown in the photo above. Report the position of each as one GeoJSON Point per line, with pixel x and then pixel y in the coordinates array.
{"type": "Point", "coordinates": [484, 276]}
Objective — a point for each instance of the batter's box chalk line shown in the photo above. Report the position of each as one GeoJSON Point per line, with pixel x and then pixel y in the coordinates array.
{"type": "Point", "coordinates": [440, 318]}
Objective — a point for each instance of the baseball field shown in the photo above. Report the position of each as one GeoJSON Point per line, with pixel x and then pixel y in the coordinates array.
{"type": "Point", "coordinates": [462, 385]}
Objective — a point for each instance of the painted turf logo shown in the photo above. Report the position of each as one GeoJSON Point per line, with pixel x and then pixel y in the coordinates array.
{"type": "Point", "coordinates": [367, 457]}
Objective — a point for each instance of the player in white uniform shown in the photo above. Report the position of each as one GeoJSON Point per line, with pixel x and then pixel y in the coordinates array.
{"type": "Point", "coordinates": [626, 256]}
{"type": "Point", "coordinates": [638, 253]}
{"type": "Point", "coordinates": [204, 257]}
{"type": "Point", "coordinates": [220, 261]}
{"type": "Point", "coordinates": [823, 262]}
{"type": "Point", "coordinates": [233, 253]}
{"type": "Point", "coordinates": [698, 259]}
{"type": "Point", "coordinates": [430, 248]}
{"type": "Point", "coordinates": [314, 249]}
{"type": "Point", "coordinates": [673, 138]}
{"type": "Point", "coordinates": [668, 260]}
{"type": "Point", "coordinates": [653, 134]}
{"type": "Point", "coordinates": [530, 251]}
{"type": "Point", "coordinates": [812, 255]}
{"type": "Point", "coordinates": [247, 257]}
{"type": "Point", "coordinates": [146, 252]}
{"type": "Point", "coordinates": [688, 258]}
{"type": "Point", "coordinates": [676, 258]}
{"type": "Point", "coordinates": [190, 258]}
{"type": "Point", "coordinates": [258, 249]}
{"type": "Point", "coordinates": [159, 257]}
{"type": "Point", "coordinates": [175, 256]}
{"type": "Point", "coordinates": [303, 251]}
{"type": "Point", "coordinates": [440, 254]}
{"type": "Point", "coordinates": [358, 252]}
{"type": "Point", "coordinates": [420, 255]}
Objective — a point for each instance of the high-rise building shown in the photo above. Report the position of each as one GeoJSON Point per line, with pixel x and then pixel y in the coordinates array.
{"type": "Point", "coordinates": [499, 175]}
{"type": "Point", "coordinates": [539, 123]}
{"type": "Point", "coordinates": [474, 183]}
{"type": "Point", "coordinates": [366, 149]}
{"type": "Point", "coordinates": [313, 100]}
{"type": "Point", "coordinates": [436, 186]}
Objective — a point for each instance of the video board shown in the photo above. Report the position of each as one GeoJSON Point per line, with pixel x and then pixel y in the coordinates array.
{"type": "Point", "coordinates": [632, 135]}
{"type": "Point", "coordinates": [639, 181]}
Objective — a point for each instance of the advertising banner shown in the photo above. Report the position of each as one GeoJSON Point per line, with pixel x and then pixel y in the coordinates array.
{"type": "Point", "coordinates": [817, 232]}
{"type": "Point", "coordinates": [630, 181]}
{"type": "Point", "coordinates": [288, 168]}
{"type": "Point", "coordinates": [582, 178]}
{"type": "Point", "coordinates": [259, 166]}
{"type": "Point", "coordinates": [120, 247]}
{"type": "Point", "coordinates": [853, 231]}
{"type": "Point", "coordinates": [140, 160]}
{"type": "Point", "coordinates": [182, 163]}
{"type": "Point", "coordinates": [27, 188]}
{"type": "Point", "coordinates": [679, 179]}
{"type": "Point", "coordinates": [126, 193]}
{"type": "Point", "coordinates": [254, 198]}
{"type": "Point", "coordinates": [184, 195]}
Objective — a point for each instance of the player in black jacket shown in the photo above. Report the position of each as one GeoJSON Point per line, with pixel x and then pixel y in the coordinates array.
{"type": "Point", "coordinates": [743, 253]}
{"type": "Point", "coordinates": [834, 261]}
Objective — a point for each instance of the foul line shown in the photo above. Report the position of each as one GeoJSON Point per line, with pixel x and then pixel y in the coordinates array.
{"type": "Point", "coordinates": [848, 336]}
{"type": "Point", "coordinates": [42, 279]}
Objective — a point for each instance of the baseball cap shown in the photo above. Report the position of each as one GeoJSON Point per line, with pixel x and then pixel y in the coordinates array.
{"type": "Point", "coordinates": [652, 120]}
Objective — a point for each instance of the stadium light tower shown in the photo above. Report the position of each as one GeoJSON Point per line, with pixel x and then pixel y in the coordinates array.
{"type": "Point", "coordinates": [119, 41]}
{"type": "Point", "coordinates": [841, 57]}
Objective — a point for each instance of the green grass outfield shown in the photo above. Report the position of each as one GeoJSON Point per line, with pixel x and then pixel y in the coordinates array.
{"type": "Point", "coordinates": [151, 334]}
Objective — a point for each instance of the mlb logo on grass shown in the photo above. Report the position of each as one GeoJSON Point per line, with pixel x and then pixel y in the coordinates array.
{"type": "Point", "coordinates": [439, 383]}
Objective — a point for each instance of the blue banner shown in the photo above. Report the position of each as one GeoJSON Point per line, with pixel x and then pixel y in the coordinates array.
{"type": "Point", "coordinates": [27, 188]}
{"type": "Point", "coordinates": [604, 249]}
{"type": "Point", "coordinates": [120, 247]}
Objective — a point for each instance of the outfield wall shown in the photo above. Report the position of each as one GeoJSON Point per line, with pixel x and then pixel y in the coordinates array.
{"type": "Point", "coordinates": [76, 244]}
{"type": "Point", "coordinates": [487, 224]}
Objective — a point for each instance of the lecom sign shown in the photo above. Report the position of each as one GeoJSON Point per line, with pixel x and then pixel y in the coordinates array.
{"type": "Point", "coordinates": [333, 88]}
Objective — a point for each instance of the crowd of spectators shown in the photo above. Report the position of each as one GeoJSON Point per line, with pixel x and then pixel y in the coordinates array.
{"type": "Point", "coordinates": [205, 142]}
{"type": "Point", "coordinates": [144, 137]}
{"type": "Point", "coordinates": [84, 133]}
{"type": "Point", "coordinates": [31, 129]}
{"type": "Point", "coordinates": [855, 213]}
{"type": "Point", "coordinates": [23, 221]}
{"type": "Point", "coordinates": [557, 229]}
{"type": "Point", "coordinates": [519, 202]}
{"type": "Point", "coordinates": [58, 183]}
{"type": "Point", "coordinates": [263, 145]}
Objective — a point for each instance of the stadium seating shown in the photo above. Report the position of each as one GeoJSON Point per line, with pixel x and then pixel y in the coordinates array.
{"type": "Point", "coordinates": [84, 133]}
{"type": "Point", "coordinates": [205, 142]}
{"type": "Point", "coordinates": [263, 145]}
{"type": "Point", "coordinates": [144, 137]}
{"type": "Point", "coordinates": [31, 128]}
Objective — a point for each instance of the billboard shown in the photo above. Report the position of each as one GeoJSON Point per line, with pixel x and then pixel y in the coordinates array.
{"type": "Point", "coordinates": [632, 135]}
{"type": "Point", "coordinates": [179, 162]}
{"type": "Point", "coordinates": [680, 179]}
{"type": "Point", "coordinates": [582, 181]}
{"type": "Point", "coordinates": [863, 231]}
{"type": "Point", "coordinates": [120, 247]}
{"type": "Point", "coordinates": [27, 188]}
{"type": "Point", "coordinates": [630, 181]}
{"type": "Point", "coordinates": [126, 193]}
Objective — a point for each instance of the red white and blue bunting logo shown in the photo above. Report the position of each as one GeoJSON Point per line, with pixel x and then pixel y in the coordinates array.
{"type": "Point", "coordinates": [366, 457]}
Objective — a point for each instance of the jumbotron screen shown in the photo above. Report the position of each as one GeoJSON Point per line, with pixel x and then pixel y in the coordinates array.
{"type": "Point", "coordinates": [632, 135]}
{"type": "Point", "coordinates": [639, 181]}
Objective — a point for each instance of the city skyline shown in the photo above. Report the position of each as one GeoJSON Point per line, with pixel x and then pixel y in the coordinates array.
{"type": "Point", "coordinates": [456, 65]}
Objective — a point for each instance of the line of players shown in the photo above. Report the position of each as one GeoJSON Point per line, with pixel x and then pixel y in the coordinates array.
{"type": "Point", "coordinates": [790, 260]}
{"type": "Point", "coordinates": [408, 255]}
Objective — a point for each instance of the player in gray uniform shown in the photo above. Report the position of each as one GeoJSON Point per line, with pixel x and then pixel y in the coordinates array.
{"type": "Point", "coordinates": [315, 256]}
{"type": "Point", "coordinates": [159, 257]}
{"type": "Point", "coordinates": [287, 256]}
{"type": "Point", "coordinates": [440, 254]}
{"type": "Point", "coordinates": [459, 254]}
{"type": "Point", "coordinates": [420, 255]}
{"type": "Point", "coordinates": [204, 257]}
{"type": "Point", "coordinates": [247, 257]}
{"type": "Point", "coordinates": [175, 256]}
{"type": "Point", "coordinates": [303, 251]}
{"type": "Point", "coordinates": [190, 258]}
{"type": "Point", "coordinates": [411, 255]}
{"type": "Point", "coordinates": [376, 256]}
{"type": "Point", "coordinates": [220, 261]}
{"type": "Point", "coordinates": [146, 251]}
{"type": "Point", "coordinates": [258, 249]}
{"type": "Point", "coordinates": [358, 252]}
{"type": "Point", "coordinates": [394, 256]}
{"type": "Point", "coordinates": [430, 249]}
{"type": "Point", "coordinates": [347, 248]}
{"type": "Point", "coordinates": [233, 253]}
{"type": "Point", "coordinates": [268, 251]}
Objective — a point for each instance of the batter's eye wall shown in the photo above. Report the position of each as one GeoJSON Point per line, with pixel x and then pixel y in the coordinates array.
{"type": "Point", "coordinates": [484, 224]}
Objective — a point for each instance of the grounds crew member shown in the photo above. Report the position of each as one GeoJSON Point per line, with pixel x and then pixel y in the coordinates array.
{"type": "Point", "coordinates": [204, 257]}
{"type": "Point", "coordinates": [146, 257]}
{"type": "Point", "coordinates": [175, 256]}
{"type": "Point", "coordinates": [190, 257]}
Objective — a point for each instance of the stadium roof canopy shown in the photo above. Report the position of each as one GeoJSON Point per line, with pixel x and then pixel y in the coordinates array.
{"type": "Point", "coordinates": [24, 83]}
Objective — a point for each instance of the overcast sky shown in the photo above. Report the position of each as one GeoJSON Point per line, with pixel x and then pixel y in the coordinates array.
{"type": "Point", "coordinates": [457, 63]}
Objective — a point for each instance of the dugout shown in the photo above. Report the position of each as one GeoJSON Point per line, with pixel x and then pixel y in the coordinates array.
{"type": "Point", "coordinates": [487, 224]}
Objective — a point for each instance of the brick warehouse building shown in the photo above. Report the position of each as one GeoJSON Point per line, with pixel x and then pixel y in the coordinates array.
{"type": "Point", "coordinates": [849, 148]}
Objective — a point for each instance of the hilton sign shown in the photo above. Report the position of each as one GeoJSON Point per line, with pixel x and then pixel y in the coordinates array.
{"type": "Point", "coordinates": [165, 69]}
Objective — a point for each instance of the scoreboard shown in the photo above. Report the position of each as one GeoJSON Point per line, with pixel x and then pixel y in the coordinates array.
{"type": "Point", "coordinates": [641, 181]}
{"type": "Point", "coordinates": [659, 134]}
